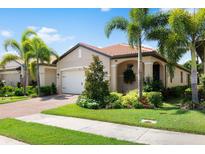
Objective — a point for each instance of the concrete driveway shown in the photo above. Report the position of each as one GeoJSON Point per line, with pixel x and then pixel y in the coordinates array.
{"type": "Point", "coordinates": [34, 105]}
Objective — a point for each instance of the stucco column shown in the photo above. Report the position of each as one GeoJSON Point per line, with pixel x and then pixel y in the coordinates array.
{"type": "Point", "coordinates": [148, 70]}
{"type": "Point", "coordinates": [42, 75]}
{"type": "Point", "coordinates": [113, 77]}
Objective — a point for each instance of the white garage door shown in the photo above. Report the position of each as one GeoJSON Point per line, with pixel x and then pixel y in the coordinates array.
{"type": "Point", "coordinates": [73, 81]}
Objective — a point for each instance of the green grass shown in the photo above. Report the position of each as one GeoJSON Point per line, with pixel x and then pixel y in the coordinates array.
{"type": "Point", "coordinates": [4, 100]}
{"type": "Point", "coordinates": [33, 133]}
{"type": "Point", "coordinates": [168, 117]}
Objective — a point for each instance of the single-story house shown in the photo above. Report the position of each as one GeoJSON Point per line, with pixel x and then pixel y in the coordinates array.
{"type": "Point", "coordinates": [13, 73]}
{"type": "Point", "coordinates": [116, 59]}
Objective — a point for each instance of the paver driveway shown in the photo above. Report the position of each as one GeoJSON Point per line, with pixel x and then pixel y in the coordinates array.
{"type": "Point", "coordinates": [35, 105]}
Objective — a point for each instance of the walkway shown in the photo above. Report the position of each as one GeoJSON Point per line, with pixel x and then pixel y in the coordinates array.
{"type": "Point", "coordinates": [123, 132]}
{"type": "Point", "coordinates": [8, 141]}
{"type": "Point", "coordinates": [34, 105]}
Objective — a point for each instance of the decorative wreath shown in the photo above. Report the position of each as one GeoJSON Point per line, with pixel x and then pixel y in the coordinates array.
{"type": "Point", "coordinates": [129, 75]}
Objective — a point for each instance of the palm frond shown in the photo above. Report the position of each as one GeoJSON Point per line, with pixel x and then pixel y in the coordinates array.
{"type": "Point", "coordinates": [8, 58]}
{"type": "Point", "coordinates": [27, 33]}
{"type": "Point", "coordinates": [14, 45]}
{"type": "Point", "coordinates": [116, 23]}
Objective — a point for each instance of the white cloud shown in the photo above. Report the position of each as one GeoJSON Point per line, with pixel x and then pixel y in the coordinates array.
{"type": "Point", "coordinates": [50, 35]}
{"type": "Point", "coordinates": [32, 27]}
{"type": "Point", "coordinates": [5, 33]}
{"type": "Point", "coordinates": [105, 9]}
{"type": "Point", "coordinates": [191, 10]}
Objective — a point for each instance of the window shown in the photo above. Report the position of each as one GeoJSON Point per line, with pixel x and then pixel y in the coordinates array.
{"type": "Point", "coordinates": [181, 77]}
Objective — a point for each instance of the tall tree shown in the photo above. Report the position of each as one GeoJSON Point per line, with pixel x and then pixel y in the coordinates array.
{"type": "Point", "coordinates": [21, 51]}
{"type": "Point", "coordinates": [183, 31]}
{"type": "Point", "coordinates": [38, 53]}
{"type": "Point", "coordinates": [135, 28]}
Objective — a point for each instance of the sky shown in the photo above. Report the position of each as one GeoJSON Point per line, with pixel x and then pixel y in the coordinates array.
{"type": "Point", "coordinates": [63, 28]}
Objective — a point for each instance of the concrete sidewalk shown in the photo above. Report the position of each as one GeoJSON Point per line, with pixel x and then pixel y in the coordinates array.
{"type": "Point", "coordinates": [123, 132]}
{"type": "Point", "coordinates": [8, 141]}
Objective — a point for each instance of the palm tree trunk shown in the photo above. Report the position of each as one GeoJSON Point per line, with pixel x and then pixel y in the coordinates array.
{"type": "Point", "coordinates": [25, 78]}
{"type": "Point", "coordinates": [195, 98]}
{"type": "Point", "coordinates": [38, 77]}
{"type": "Point", "coordinates": [139, 70]}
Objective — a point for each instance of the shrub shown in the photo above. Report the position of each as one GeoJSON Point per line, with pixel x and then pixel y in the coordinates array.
{"type": "Point", "coordinates": [202, 80]}
{"type": "Point", "coordinates": [53, 89]}
{"type": "Point", "coordinates": [114, 100]}
{"type": "Point", "coordinates": [19, 84]}
{"type": "Point", "coordinates": [154, 98]}
{"type": "Point", "coordinates": [31, 90]}
{"type": "Point", "coordinates": [45, 90]}
{"type": "Point", "coordinates": [18, 92]}
{"type": "Point", "coordinates": [85, 102]}
{"type": "Point", "coordinates": [201, 93]}
{"type": "Point", "coordinates": [2, 84]}
{"type": "Point", "coordinates": [130, 99]}
{"type": "Point", "coordinates": [96, 87]}
{"type": "Point", "coordinates": [174, 92]}
{"type": "Point", "coordinates": [152, 85]}
{"type": "Point", "coordinates": [7, 91]}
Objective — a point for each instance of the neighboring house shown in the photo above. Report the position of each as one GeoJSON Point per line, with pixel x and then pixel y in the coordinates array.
{"type": "Point", "coordinates": [13, 73]}
{"type": "Point", "coordinates": [116, 59]}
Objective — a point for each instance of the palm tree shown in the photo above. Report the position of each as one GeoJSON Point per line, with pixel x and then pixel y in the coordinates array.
{"type": "Point", "coordinates": [39, 53]}
{"type": "Point", "coordinates": [21, 50]}
{"type": "Point", "coordinates": [181, 34]}
{"type": "Point", "coordinates": [135, 29]}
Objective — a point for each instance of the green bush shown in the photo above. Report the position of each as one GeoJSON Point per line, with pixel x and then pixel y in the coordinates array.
{"type": "Point", "coordinates": [96, 87]}
{"type": "Point", "coordinates": [151, 85]}
{"type": "Point", "coordinates": [45, 90]}
{"type": "Point", "coordinates": [7, 91]}
{"type": "Point", "coordinates": [202, 80]}
{"type": "Point", "coordinates": [85, 102]}
{"type": "Point", "coordinates": [18, 92]}
{"type": "Point", "coordinates": [2, 84]}
{"type": "Point", "coordinates": [201, 93]}
{"type": "Point", "coordinates": [174, 92]}
{"type": "Point", "coordinates": [154, 98]}
{"type": "Point", "coordinates": [53, 89]}
{"type": "Point", "coordinates": [114, 101]}
{"type": "Point", "coordinates": [130, 99]}
{"type": "Point", "coordinates": [31, 90]}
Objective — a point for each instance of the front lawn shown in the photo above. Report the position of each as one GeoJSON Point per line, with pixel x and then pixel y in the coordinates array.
{"type": "Point", "coordinates": [33, 133]}
{"type": "Point", "coordinates": [4, 100]}
{"type": "Point", "coordinates": [168, 117]}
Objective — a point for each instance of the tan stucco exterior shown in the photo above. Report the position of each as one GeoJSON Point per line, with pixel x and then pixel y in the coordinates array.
{"type": "Point", "coordinates": [11, 73]}
{"type": "Point", "coordinates": [81, 58]}
{"type": "Point", "coordinates": [47, 75]}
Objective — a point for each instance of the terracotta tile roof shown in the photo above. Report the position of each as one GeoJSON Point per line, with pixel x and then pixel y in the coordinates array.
{"type": "Point", "coordinates": [118, 49]}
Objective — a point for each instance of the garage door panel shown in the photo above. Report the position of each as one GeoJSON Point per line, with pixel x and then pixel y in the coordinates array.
{"type": "Point", "coordinates": [73, 81]}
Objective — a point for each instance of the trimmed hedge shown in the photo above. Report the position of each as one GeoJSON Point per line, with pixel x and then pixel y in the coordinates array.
{"type": "Point", "coordinates": [48, 90]}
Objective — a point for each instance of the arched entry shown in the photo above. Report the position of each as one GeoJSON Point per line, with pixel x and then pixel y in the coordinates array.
{"type": "Point", "coordinates": [122, 86]}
